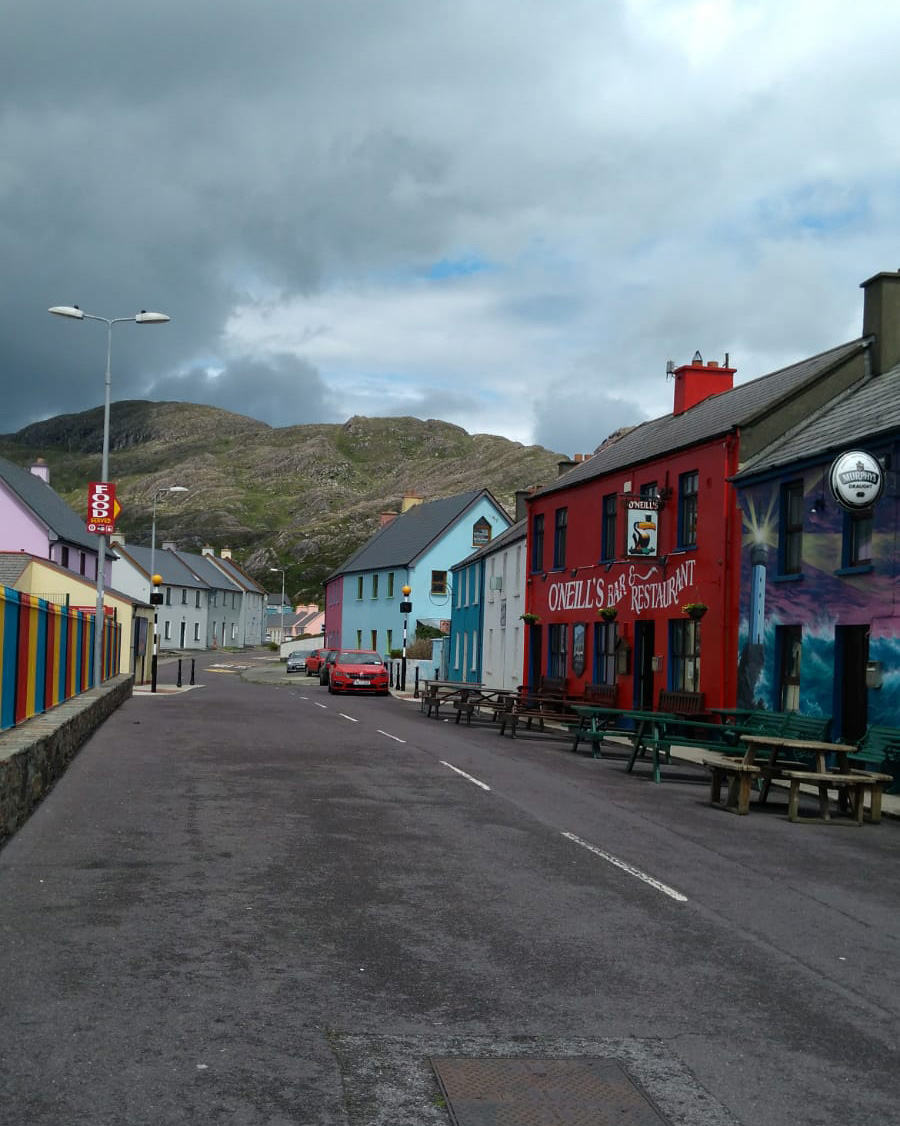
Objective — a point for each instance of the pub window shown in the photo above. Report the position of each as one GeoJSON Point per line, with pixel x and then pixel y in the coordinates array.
{"type": "Point", "coordinates": [687, 509]}
{"type": "Point", "coordinates": [359, 586]}
{"type": "Point", "coordinates": [374, 586]}
{"type": "Point", "coordinates": [608, 530]}
{"type": "Point", "coordinates": [438, 582]}
{"type": "Point", "coordinates": [684, 649]}
{"type": "Point", "coordinates": [791, 546]}
{"type": "Point", "coordinates": [559, 537]}
{"type": "Point", "coordinates": [857, 539]}
{"type": "Point", "coordinates": [789, 649]}
{"type": "Point", "coordinates": [537, 542]}
{"type": "Point", "coordinates": [558, 654]}
{"type": "Point", "coordinates": [605, 653]}
{"type": "Point", "coordinates": [649, 491]}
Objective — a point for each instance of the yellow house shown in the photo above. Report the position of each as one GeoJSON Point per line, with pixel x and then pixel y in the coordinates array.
{"type": "Point", "coordinates": [29, 574]}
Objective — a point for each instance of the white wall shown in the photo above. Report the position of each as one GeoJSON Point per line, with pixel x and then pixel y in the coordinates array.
{"type": "Point", "coordinates": [503, 644]}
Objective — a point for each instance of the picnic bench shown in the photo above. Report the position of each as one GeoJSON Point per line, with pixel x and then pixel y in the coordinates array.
{"type": "Point", "coordinates": [879, 749]}
{"type": "Point", "coordinates": [681, 702]}
{"type": "Point", "coordinates": [488, 703]}
{"type": "Point", "coordinates": [540, 707]}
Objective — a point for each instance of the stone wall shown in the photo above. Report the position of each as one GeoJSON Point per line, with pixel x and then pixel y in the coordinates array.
{"type": "Point", "coordinates": [36, 753]}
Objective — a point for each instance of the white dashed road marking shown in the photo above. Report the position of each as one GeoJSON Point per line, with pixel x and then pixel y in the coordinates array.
{"type": "Point", "coordinates": [629, 868]}
{"type": "Point", "coordinates": [388, 735]}
{"type": "Point", "coordinates": [468, 777]}
{"type": "Point", "coordinates": [344, 715]}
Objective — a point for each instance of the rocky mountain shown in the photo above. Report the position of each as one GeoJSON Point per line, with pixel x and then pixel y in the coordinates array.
{"type": "Point", "coordinates": [298, 497]}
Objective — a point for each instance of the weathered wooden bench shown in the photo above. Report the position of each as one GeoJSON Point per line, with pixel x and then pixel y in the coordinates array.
{"type": "Point", "coordinates": [853, 787]}
{"type": "Point", "coordinates": [530, 708]}
{"type": "Point", "coordinates": [681, 702]}
{"type": "Point", "coordinates": [600, 695]}
{"type": "Point", "coordinates": [878, 749]}
{"type": "Point", "coordinates": [739, 777]}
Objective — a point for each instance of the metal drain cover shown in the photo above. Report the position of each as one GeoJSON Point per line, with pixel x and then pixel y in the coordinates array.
{"type": "Point", "coordinates": [579, 1091]}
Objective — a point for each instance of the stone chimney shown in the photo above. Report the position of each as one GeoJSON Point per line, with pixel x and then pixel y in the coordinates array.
{"type": "Point", "coordinates": [697, 381]}
{"type": "Point", "coordinates": [117, 539]}
{"type": "Point", "coordinates": [410, 500]}
{"type": "Point", "coordinates": [208, 549]}
{"type": "Point", "coordinates": [169, 545]}
{"type": "Point", "coordinates": [881, 319]}
{"type": "Point", "coordinates": [41, 469]}
{"type": "Point", "coordinates": [387, 518]}
{"type": "Point", "coordinates": [521, 504]}
{"type": "Point", "coordinates": [564, 467]}
{"type": "Point", "coordinates": [225, 553]}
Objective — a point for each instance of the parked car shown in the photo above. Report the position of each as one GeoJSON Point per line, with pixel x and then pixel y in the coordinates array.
{"type": "Point", "coordinates": [324, 667]}
{"type": "Point", "coordinates": [357, 670]}
{"type": "Point", "coordinates": [296, 662]}
{"type": "Point", "coordinates": [314, 661]}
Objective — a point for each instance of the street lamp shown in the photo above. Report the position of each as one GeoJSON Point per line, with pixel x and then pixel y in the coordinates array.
{"type": "Point", "coordinates": [281, 569]}
{"type": "Point", "coordinates": [405, 609]}
{"type": "Point", "coordinates": [142, 318]}
{"type": "Point", "coordinates": [155, 579]}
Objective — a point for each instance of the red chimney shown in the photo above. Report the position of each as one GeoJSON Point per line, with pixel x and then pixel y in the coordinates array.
{"type": "Point", "coordinates": [697, 381]}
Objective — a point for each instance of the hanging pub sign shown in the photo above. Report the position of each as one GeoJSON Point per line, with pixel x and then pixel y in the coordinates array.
{"type": "Point", "coordinates": [856, 479]}
{"type": "Point", "coordinates": [642, 517]}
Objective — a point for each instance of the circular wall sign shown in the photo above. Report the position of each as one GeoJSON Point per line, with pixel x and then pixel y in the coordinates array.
{"type": "Point", "coordinates": [856, 479]}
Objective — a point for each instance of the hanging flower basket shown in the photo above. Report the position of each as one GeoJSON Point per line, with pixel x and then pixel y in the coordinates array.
{"type": "Point", "coordinates": [694, 610]}
{"type": "Point", "coordinates": [530, 619]}
{"type": "Point", "coordinates": [608, 613]}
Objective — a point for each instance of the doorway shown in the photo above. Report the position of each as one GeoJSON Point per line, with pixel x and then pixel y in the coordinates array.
{"type": "Point", "coordinates": [644, 645]}
{"type": "Point", "coordinates": [851, 653]}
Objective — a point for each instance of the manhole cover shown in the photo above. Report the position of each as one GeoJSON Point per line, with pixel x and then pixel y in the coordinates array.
{"type": "Point", "coordinates": [542, 1092]}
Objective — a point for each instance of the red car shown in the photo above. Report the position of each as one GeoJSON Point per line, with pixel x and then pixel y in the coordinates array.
{"type": "Point", "coordinates": [314, 661]}
{"type": "Point", "coordinates": [358, 670]}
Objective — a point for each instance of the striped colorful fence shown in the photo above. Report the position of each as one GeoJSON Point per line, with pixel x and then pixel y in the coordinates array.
{"type": "Point", "coordinates": [46, 654]}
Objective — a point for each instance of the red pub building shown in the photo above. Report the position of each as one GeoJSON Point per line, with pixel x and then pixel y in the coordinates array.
{"type": "Point", "coordinates": [634, 551]}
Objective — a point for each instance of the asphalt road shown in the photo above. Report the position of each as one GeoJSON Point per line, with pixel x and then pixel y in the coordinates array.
{"type": "Point", "coordinates": [256, 904]}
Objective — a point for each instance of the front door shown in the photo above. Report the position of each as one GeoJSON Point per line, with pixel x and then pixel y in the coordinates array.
{"type": "Point", "coordinates": [644, 645]}
{"type": "Point", "coordinates": [851, 695]}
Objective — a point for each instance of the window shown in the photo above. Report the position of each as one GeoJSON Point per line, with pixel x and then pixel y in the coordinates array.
{"type": "Point", "coordinates": [789, 648]}
{"type": "Point", "coordinates": [213, 599]}
{"type": "Point", "coordinates": [168, 596]}
{"type": "Point", "coordinates": [684, 662]}
{"type": "Point", "coordinates": [608, 529]}
{"type": "Point", "coordinates": [605, 653]}
{"type": "Point", "coordinates": [438, 582]}
{"type": "Point", "coordinates": [374, 644]}
{"type": "Point", "coordinates": [390, 589]}
{"type": "Point", "coordinates": [559, 537]}
{"type": "Point", "coordinates": [474, 650]}
{"type": "Point", "coordinates": [558, 654]}
{"type": "Point", "coordinates": [791, 528]}
{"type": "Point", "coordinates": [233, 631]}
{"type": "Point", "coordinates": [390, 640]}
{"type": "Point", "coordinates": [359, 586]}
{"type": "Point", "coordinates": [649, 491]}
{"type": "Point", "coordinates": [82, 563]}
{"type": "Point", "coordinates": [64, 557]}
{"type": "Point", "coordinates": [857, 539]}
{"type": "Point", "coordinates": [184, 595]}
{"type": "Point", "coordinates": [456, 655]}
{"type": "Point", "coordinates": [196, 631]}
{"type": "Point", "coordinates": [197, 600]}
{"type": "Point", "coordinates": [374, 586]}
{"type": "Point", "coordinates": [687, 509]}
{"type": "Point", "coordinates": [476, 578]}
{"type": "Point", "coordinates": [167, 631]}
{"type": "Point", "coordinates": [359, 639]}
{"type": "Point", "coordinates": [537, 542]}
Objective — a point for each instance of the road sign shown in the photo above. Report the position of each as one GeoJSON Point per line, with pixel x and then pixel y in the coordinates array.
{"type": "Point", "coordinates": [103, 508]}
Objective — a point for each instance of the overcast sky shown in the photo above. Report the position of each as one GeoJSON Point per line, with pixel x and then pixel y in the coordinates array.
{"type": "Point", "coordinates": [507, 214]}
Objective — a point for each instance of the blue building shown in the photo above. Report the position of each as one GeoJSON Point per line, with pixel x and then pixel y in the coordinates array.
{"type": "Point", "coordinates": [417, 548]}
{"type": "Point", "coordinates": [467, 620]}
{"type": "Point", "coordinates": [819, 619]}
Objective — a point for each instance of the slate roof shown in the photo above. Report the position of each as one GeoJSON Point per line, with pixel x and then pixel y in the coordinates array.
{"type": "Point", "coordinates": [510, 535]}
{"type": "Point", "coordinates": [401, 542]}
{"type": "Point", "coordinates": [205, 569]}
{"type": "Point", "coordinates": [12, 564]}
{"type": "Point", "coordinates": [48, 505]}
{"type": "Point", "coordinates": [865, 410]}
{"type": "Point", "coordinates": [718, 414]}
{"type": "Point", "coordinates": [167, 564]}
{"type": "Point", "coordinates": [239, 575]}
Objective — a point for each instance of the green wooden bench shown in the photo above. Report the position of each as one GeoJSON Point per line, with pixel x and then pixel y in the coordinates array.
{"type": "Point", "coordinates": [879, 749]}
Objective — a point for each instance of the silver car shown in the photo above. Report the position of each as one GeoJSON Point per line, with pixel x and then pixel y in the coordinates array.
{"type": "Point", "coordinates": [296, 662]}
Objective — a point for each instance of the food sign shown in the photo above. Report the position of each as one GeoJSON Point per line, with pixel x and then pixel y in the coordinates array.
{"type": "Point", "coordinates": [103, 508]}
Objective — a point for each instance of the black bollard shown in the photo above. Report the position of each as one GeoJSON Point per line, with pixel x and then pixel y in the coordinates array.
{"type": "Point", "coordinates": [178, 682]}
{"type": "Point", "coordinates": [192, 670]}
{"type": "Point", "coordinates": [416, 689]}
{"type": "Point", "coordinates": [390, 674]}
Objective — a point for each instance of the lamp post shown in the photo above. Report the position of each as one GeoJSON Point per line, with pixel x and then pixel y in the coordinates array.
{"type": "Point", "coordinates": [281, 569]}
{"type": "Point", "coordinates": [155, 579]}
{"type": "Point", "coordinates": [142, 318]}
{"type": "Point", "coordinates": [405, 609]}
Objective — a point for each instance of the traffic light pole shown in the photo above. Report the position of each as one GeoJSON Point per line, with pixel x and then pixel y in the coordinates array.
{"type": "Point", "coordinates": [155, 600]}
{"type": "Point", "coordinates": [405, 608]}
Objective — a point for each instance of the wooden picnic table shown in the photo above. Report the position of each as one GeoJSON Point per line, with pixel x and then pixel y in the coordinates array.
{"type": "Point", "coordinates": [437, 692]}
{"type": "Point", "coordinates": [474, 701]}
{"type": "Point", "coordinates": [647, 731]}
{"type": "Point", "coordinates": [851, 785]}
